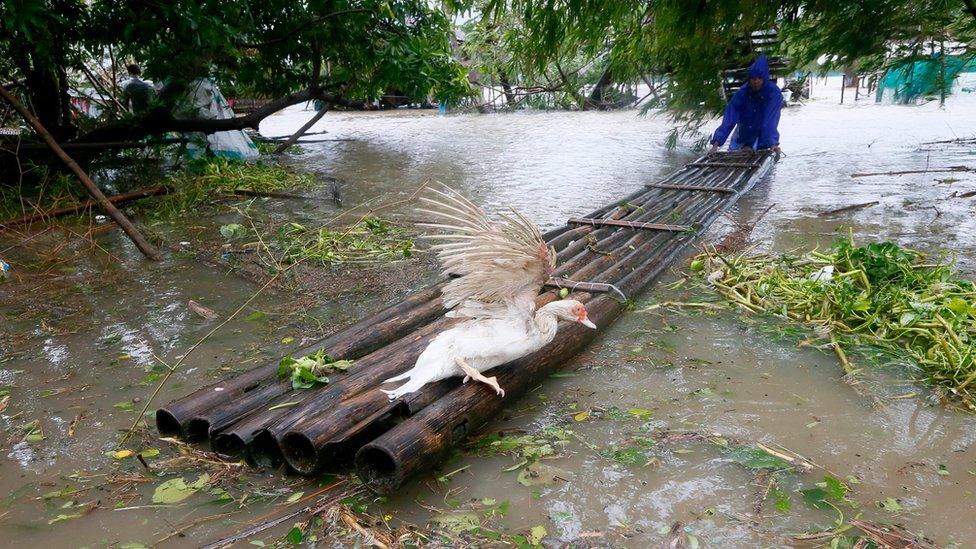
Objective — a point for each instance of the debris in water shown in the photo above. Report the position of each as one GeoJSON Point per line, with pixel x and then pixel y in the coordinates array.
{"type": "Point", "coordinates": [202, 311]}
{"type": "Point", "coordinates": [880, 294]}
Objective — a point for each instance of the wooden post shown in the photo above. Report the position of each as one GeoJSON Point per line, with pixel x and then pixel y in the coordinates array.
{"type": "Point", "coordinates": [301, 131]}
{"type": "Point", "coordinates": [942, 76]}
{"type": "Point", "coordinates": [145, 247]}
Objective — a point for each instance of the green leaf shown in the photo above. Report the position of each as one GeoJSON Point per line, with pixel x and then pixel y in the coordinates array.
{"type": "Point", "coordinates": [835, 488]}
{"type": "Point", "coordinates": [232, 231]}
{"type": "Point", "coordinates": [815, 497]}
{"type": "Point", "coordinates": [295, 536]}
{"type": "Point", "coordinates": [642, 414]}
{"type": "Point", "coordinates": [61, 518]}
{"type": "Point", "coordinates": [457, 523]}
{"type": "Point", "coordinates": [891, 505]}
{"type": "Point", "coordinates": [536, 534]}
{"type": "Point", "coordinates": [149, 452]}
{"type": "Point", "coordinates": [756, 458]}
{"type": "Point", "coordinates": [176, 490]}
{"type": "Point", "coordinates": [294, 497]}
{"type": "Point", "coordinates": [256, 315]}
{"type": "Point", "coordinates": [958, 306]}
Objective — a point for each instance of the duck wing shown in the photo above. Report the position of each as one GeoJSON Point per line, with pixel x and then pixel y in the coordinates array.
{"type": "Point", "coordinates": [502, 264]}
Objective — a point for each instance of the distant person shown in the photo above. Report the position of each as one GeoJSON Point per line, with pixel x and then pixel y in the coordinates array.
{"type": "Point", "coordinates": [137, 94]}
{"type": "Point", "coordinates": [754, 113]}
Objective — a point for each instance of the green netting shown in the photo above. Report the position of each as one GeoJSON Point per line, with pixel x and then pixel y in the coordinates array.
{"type": "Point", "coordinates": [908, 81]}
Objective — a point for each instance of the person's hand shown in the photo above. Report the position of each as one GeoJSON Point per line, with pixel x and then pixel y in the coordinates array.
{"type": "Point", "coordinates": [713, 149]}
{"type": "Point", "coordinates": [776, 149]}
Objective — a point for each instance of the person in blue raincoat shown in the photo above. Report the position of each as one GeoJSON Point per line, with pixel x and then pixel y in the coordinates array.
{"type": "Point", "coordinates": [753, 112]}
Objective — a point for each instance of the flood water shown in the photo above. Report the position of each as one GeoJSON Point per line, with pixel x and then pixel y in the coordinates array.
{"type": "Point", "coordinates": [79, 339]}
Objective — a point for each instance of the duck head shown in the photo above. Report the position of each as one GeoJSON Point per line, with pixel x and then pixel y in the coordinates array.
{"type": "Point", "coordinates": [571, 310]}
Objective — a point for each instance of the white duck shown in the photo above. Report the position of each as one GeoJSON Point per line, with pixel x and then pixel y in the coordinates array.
{"type": "Point", "coordinates": [503, 266]}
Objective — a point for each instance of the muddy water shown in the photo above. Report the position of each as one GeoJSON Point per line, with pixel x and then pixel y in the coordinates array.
{"type": "Point", "coordinates": [78, 366]}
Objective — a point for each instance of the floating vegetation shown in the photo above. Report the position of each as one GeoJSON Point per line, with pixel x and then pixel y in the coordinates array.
{"type": "Point", "coordinates": [878, 295]}
{"type": "Point", "coordinates": [370, 239]}
{"type": "Point", "coordinates": [307, 371]}
{"type": "Point", "coordinates": [206, 179]}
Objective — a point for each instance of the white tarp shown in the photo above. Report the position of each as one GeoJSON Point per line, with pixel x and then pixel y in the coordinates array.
{"type": "Point", "coordinates": [206, 101]}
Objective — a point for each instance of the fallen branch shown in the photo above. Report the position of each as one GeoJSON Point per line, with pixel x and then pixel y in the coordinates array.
{"type": "Point", "coordinates": [144, 246]}
{"type": "Point", "coordinates": [86, 205]}
{"type": "Point", "coordinates": [301, 131]}
{"type": "Point", "coordinates": [904, 172]}
{"type": "Point", "coordinates": [851, 208]}
{"type": "Point", "coordinates": [310, 508]}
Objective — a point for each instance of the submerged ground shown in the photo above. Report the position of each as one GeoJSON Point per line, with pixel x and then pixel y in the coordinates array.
{"type": "Point", "coordinates": [78, 339]}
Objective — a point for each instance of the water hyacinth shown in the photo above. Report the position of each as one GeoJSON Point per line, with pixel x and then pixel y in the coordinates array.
{"type": "Point", "coordinates": [879, 294]}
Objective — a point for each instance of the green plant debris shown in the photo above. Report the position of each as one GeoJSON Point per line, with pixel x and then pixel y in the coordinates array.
{"type": "Point", "coordinates": [891, 505]}
{"type": "Point", "coordinates": [456, 523]}
{"type": "Point", "coordinates": [529, 448]}
{"type": "Point", "coordinates": [832, 492]}
{"type": "Point", "coordinates": [878, 295]}
{"type": "Point", "coordinates": [756, 458]}
{"type": "Point", "coordinates": [307, 371]}
{"type": "Point", "coordinates": [176, 490]}
{"type": "Point", "coordinates": [369, 240]}
{"type": "Point", "coordinates": [206, 179]}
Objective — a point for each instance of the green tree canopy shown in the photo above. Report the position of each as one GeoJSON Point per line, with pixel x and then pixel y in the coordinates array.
{"type": "Point", "coordinates": [691, 42]}
{"type": "Point", "coordinates": [335, 50]}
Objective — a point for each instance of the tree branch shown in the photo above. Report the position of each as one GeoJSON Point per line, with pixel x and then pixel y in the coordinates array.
{"type": "Point", "coordinates": [161, 120]}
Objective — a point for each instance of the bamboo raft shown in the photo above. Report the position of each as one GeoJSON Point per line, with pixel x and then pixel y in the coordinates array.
{"type": "Point", "coordinates": [622, 247]}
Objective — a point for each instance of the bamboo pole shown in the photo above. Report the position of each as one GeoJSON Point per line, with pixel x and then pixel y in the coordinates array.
{"type": "Point", "coordinates": [316, 440]}
{"type": "Point", "coordinates": [144, 246]}
{"type": "Point", "coordinates": [411, 446]}
{"type": "Point", "coordinates": [336, 419]}
{"type": "Point", "coordinates": [187, 414]}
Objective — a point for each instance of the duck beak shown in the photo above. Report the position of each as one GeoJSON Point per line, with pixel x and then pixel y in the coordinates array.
{"type": "Point", "coordinates": [586, 322]}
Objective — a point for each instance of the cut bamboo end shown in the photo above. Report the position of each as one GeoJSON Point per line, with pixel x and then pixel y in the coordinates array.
{"type": "Point", "coordinates": [378, 469]}
{"type": "Point", "coordinates": [264, 451]}
{"type": "Point", "coordinates": [228, 444]}
{"type": "Point", "coordinates": [300, 453]}
{"type": "Point", "coordinates": [167, 424]}
{"type": "Point", "coordinates": [196, 430]}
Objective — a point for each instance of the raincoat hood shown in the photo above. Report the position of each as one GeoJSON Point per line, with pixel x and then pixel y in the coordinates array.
{"type": "Point", "coordinates": [760, 68]}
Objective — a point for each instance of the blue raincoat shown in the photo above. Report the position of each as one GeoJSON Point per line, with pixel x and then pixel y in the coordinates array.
{"type": "Point", "coordinates": [753, 114]}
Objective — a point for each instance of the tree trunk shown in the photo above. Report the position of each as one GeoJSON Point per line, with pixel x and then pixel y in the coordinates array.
{"type": "Point", "coordinates": [49, 101]}
{"type": "Point", "coordinates": [507, 88]}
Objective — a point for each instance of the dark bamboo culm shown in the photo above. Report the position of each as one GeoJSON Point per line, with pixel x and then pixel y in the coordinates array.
{"type": "Point", "coordinates": [311, 436]}
{"type": "Point", "coordinates": [190, 416]}
{"type": "Point", "coordinates": [413, 445]}
{"type": "Point", "coordinates": [312, 442]}
{"type": "Point", "coordinates": [260, 417]}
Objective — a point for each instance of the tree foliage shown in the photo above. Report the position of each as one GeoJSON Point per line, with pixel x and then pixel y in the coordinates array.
{"type": "Point", "coordinates": [691, 42]}
{"type": "Point", "coordinates": [339, 50]}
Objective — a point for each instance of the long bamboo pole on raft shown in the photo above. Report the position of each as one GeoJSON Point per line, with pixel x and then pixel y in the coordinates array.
{"type": "Point", "coordinates": [118, 217]}
{"type": "Point", "coordinates": [322, 432]}
{"type": "Point", "coordinates": [414, 444]}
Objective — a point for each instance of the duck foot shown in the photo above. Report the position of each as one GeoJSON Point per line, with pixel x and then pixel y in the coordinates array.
{"type": "Point", "coordinates": [471, 373]}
